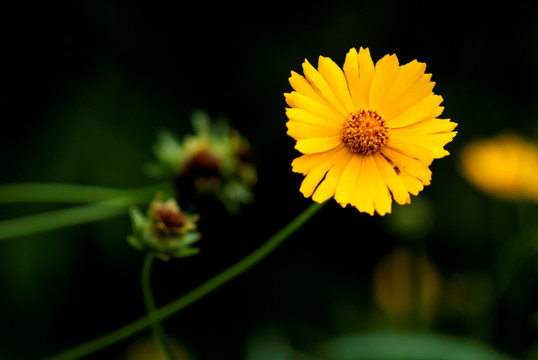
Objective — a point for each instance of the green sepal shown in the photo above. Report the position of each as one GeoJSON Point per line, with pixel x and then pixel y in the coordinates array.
{"type": "Point", "coordinates": [135, 242]}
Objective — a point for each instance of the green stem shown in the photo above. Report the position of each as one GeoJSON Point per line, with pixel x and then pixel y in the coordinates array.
{"type": "Point", "coordinates": [521, 211]}
{"type": "Point", "coordinates": [417, 288]}
{"type": "Point", "coordinates": [76, 215]}
{"type": "Point", "coordinates": [515, 254]}
{"type": "Point", "coordinates": [195, 294]}
{"type": "Point", "coordinates": [158, 332]}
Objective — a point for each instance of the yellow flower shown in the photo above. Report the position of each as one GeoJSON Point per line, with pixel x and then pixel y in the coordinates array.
{"type": "Point", "coordinates": [505, 166]}
{"type": "Point", "coordinates": [368, 132]}
{"type": "Point", "coordinates": [393, 284]}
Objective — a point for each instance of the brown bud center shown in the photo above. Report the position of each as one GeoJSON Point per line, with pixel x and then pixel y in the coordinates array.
{"type": "Point", "coordinates": [203, 164]}
{"type": "Point", "coordinates": [171, 218]}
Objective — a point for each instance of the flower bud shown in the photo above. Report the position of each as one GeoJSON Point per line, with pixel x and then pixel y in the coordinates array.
{"type": "Point", "coordinates": [215, 160]}
{"type": "Point", "coordinates": [165, 230]}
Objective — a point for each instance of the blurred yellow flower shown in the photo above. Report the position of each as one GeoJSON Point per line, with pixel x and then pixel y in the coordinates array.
{"type": "Point", "coordinates": [393, 285]}
{"type": "Point", "coordinates": [505, 166]}
{"type": "Point", "coordinates": [368, 132]}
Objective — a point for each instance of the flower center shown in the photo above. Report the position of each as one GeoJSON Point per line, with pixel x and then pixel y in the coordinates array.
{"type": "Point", "coordinates": [365, 132]}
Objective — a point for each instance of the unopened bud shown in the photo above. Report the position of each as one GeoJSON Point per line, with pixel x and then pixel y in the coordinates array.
{"type": "Point", "coordinates": [166, 230]}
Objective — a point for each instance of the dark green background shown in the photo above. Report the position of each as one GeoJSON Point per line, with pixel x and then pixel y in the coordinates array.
{"type": "Point", "coordinates": [86, 85]}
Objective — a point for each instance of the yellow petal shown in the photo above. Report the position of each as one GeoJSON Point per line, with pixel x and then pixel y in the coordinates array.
{"type": "Point", "coordinates": [410, 87]}
{"type": "Point", "coordinates": [322, 88]}
{"type": "Point", "coordinates": [412, 184]}
{"type": "Point", "coordinates": [300, 130]}
{"type": "Point", "coordinates": [426, 109]}
{"type": "Point", "coordinates": [317, 145]}
{"type": "Point", "coordinates": [303, 116]}
{"type": "Point", "coordinates": [414, 151]}
{"type": "Point", "coordinates": [316, 174]}
{"type": "Point", "coordinates": [351, 71]}
{"type": "Point", "coordinates": [301, 85]}
{"type": "Point", "coordinates": [327, 187]}
{"type": "Point", "coordinates": [372, 193]}
{"type": "Point", "coordinates": [414, 167]}
{"type": "Point", "coordinates": [386, 71]}
{"type": "Point", "coordinates": [422, 89]}
{"type": "Point", "coordinates": [366, 72]}
{"type": "Point", "coordinates": [345, 190]}
{"type": "Point", "coordinates": [394, 183]}
{"type": "Point", "coordinates": [303, 164]}
{"type": "Point", "coordinates": [429, 126]}
{"type": "Point", "coordinates": [380, 192]}
{"type": "Point", "coordinates": [312, 179]}
{"type": "Point", "coordinates": [318, 109]}
{"type": "Point", "coordinates": [337, 82]}
{"type": "Point", "coordinates": [433, 142]}
{"type": "Point", "coordinates": [363, 199]}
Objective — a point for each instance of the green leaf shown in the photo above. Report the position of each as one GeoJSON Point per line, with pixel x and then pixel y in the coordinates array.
{"type": "Point", "coordinates": [75, 215]}
{"type": "Point", "coordinates": [56, 219]}
{"type": "Point", "coordinates": [56, 193]}
{"type": "Point", "coordinates": [409, 346]}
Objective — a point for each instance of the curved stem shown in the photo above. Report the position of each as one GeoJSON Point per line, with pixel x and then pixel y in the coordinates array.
{"type": "Point", "coordinates": [239, 267]}
{"type": "Point", "coordinates": [194, 295]}
{"type": "Point", "coordinates": [158, 332]}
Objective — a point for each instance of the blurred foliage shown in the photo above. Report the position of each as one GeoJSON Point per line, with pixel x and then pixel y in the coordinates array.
{"type": "Point", "coordinates": [427, 346]}
{"type": "Point", "coordinates": [86, 87]}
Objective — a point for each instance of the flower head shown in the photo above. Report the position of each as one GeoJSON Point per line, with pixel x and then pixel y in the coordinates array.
{"type": "Point", "coordinates": [368, 132]}
{"type": "Point", "coordinates": [214, 160]}
{"type": "Point", "coordinates": [166, 230]}
{"type": "Point", "coordinates": [505, 166]}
